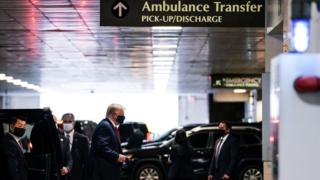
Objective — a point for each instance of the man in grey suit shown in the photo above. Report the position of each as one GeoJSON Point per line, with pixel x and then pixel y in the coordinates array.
{"type": "Point", "coordinates": [225, 154]}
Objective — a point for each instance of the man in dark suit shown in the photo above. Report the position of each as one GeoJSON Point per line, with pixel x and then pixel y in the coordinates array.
{"type": "Point", "coordinates": [67, 161]}
{"type": "Point", "coordinates": [46, 138]}
{"type": "Point", "coordinates": [79, 145]}
{"type": "Point", "coordinates": [66, 157]}
{"type": "Point", "coordinates": [12, 151]}
{"type": "Point", "coordinates": [105, 154]}
{"type": "Point", "coordinates": [225, 154]}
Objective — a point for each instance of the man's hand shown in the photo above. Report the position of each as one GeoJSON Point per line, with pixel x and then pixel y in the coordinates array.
{"type": "Point", "coordinates": [64, 171]}
{"type": "Point", "coordinates": [210, 177]}
{"type": "Point", "coordinates": [121, 158]}
{"type": "Point", "coordinates": [226, 176]}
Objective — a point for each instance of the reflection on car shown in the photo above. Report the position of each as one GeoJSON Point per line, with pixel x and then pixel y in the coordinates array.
{"type": "Point", "coordinates": [152, 159]}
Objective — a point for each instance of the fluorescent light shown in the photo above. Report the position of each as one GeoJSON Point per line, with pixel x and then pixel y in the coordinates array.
{"type": "Point", "coordinates": [19, 82]}
{"type": "Point", "coordinates": [9, 78]}
{"type": "Point", "coordinates": [162, 71]}
{"type": "Point", "coordinates": [239, 91]}
{"type": "Point", "coordinates": [29, 86]}
{"type": "Point", "coordinates": [300, 34]}
{"type": "Point", "coordinates": [2, 76]}
{"type": "Point", "coordinates": [166, 28]}
{"type": "Point", "coordinates": [162, 63]}
{"type": "Point", "coordinates": [23, 84]}
{"type": "Point", "coordinates": [161, 76]}
{"type": "Point", "coordinates": [163, 58]}
{"type": "Point", "coordinates": [164, 52]}
{"type": "Point", "coordinates": [16, 81]}
{"type": "Point", "coordinates": [163, 68]}
{"type": "Point", "coordinates": [164, 46]}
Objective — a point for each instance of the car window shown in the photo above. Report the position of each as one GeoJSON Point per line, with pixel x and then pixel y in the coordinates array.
{"type": "Point", "coordinates": [249, 139]}
{"type": "Point", "coordinates": [199, 140]}
{"type": "Point", "coordinates": [126, 130]}
{"type": "Point", "coordinates": [166, 136]}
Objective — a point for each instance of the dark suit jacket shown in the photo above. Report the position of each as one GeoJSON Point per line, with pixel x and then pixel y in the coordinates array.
{"type": "Point", "coordinates": [181, 167]}
{"type": "Point", "coordinates": [14, 161]}
{"type": "Point", "coordinates": [104, 153]}
{"type": "Point", "coordinates": [80, 153]}
{"type": "Point", "coordinates": [65, 153]}
{"type": "Point", "coordinates": [45, 140]}
{"type": "Point", "coordinates": [227, 158]}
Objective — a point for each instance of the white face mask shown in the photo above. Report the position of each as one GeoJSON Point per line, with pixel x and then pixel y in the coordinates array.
{"type": "Point", "coordinates": [68, 127]}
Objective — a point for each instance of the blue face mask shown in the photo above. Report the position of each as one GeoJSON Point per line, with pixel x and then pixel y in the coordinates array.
{"type": "Point", "coordinates": [120, 119]}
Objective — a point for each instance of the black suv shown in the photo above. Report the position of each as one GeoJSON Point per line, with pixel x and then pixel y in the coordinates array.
{"type": "Point", "coordinates": [152, 159]}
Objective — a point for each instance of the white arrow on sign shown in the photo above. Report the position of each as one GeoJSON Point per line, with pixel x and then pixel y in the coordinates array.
{"type": "Point", "coordinates": [120, 6]}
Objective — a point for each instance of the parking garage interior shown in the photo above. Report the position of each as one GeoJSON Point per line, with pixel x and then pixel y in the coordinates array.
{"type": "Point", "coordinates": [56, 54]}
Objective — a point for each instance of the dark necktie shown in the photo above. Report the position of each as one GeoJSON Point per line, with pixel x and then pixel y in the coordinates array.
{"type": "Point", "coordinates": [20, 144]}
{"type": "Point", "coordinates": [117, 132]}
{"type": "Point", "coordinates": [70, 144]}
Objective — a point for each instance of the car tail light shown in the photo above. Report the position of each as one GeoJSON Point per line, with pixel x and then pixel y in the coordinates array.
{"type": "Point", "coordinates": [148, 138]}
{"type": "Point", "coordinates": [307, 84]}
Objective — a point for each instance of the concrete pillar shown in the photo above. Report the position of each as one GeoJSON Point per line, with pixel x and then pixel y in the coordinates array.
{"type": "Point", "coordinates": [276, 28]}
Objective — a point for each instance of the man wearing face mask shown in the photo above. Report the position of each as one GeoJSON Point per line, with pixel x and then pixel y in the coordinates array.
{"type": "Point", "coordinates": [225, 154]}
{"type": "Point", "coordinates": [106, 156]}
{"type": "Point", "coordinates": [13, 152]}
{"type": "Point", "coordinates": [79, 146]}
{"type": "Point", "coordinates": [66, 158]}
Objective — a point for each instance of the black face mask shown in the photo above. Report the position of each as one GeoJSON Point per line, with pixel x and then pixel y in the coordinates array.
{"type": "Point", "coordinates": [120, 119]}
{"type": "Point", "coordinates": [19, 132]}
{"type": "Point", "coordinates": [220, 132]}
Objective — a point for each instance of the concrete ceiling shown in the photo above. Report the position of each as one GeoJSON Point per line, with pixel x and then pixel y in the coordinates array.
{"type": "Point", "coordinates": [59, 45]}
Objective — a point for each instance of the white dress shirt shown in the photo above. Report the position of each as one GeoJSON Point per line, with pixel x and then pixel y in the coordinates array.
{"type": "Point", "coordinates": [220, 144]}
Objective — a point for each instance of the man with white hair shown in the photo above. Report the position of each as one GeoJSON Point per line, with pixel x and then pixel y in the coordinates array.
{"type": "Point", "coordinates": [106, 156]}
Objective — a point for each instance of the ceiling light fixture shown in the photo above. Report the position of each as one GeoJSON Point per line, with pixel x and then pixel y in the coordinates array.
{"type": "Point", "coordinates": [237, 91]}
{"type": "Point", "coordinates": [164, 52]}
{"type": "Point", "coordinates": [162, 71]}
{"type": "Point", "coordinates": [8, 79]}
{"type": "Point", "coordinates": [2, 76]}
{"type": "Point", "coordinates": [19, 82]}
{"type": "Point", "coordinates": [162, 63]}
{"type": "Point", "coordinates": [164, 46]}
{"type": "Point", "coordinates": [163, 58]}
{"type": "Point", "coordinates": [16, 82]}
